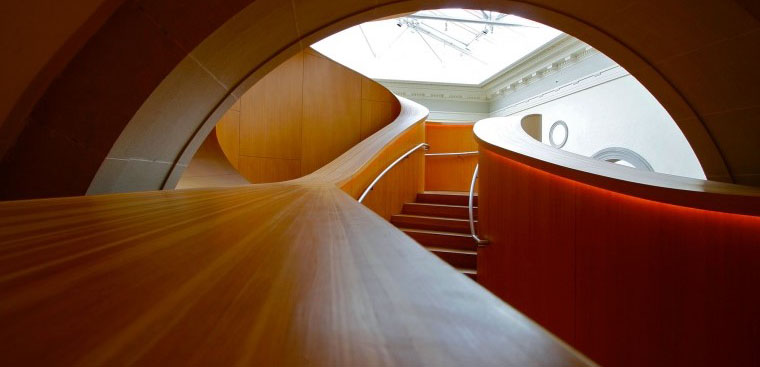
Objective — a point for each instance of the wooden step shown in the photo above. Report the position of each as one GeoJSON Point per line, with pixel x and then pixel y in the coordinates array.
{"type": "Point", "coordinates": [461, 259]}
{"type": "Point", "coordinates": [473, 274]}
{"type": "Point", "coordinates": [439, 210]}
{"type": "Point", "coordinates": [449, 240]}
{"type": "Point", "coordinates": [431, 223]}
{"type": "Point", "coordinates": [446, 197]}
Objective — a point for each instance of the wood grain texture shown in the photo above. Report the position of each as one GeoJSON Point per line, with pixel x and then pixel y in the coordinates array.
{"type": "Point", "coordinates": [449, 173]}
{"type": "Point", "coordinates": [210, 167]}
{"type": "Point", "coordinates": [271, 111]}
{"type": "Point", "coordinates": [264, 170]}
{"type": "Point", "coordinates": [303, 114]}
{"type": "Point", "coordinates": [332, 107]}
{"type": "Point", "coordinates": [627, 280]}
{"type": "Point", "coordinates": [294, 273]}
{"type": "Point", "coordinates": [227, 132]}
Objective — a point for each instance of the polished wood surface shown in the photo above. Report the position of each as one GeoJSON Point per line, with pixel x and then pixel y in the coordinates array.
{"type": "Point", "coordinates": [294, 273]}
{"type": "Point", "coordinates": [630, 281]}
{"type": "Point", "coordinates": [449, 173]}
{"type": "Point", "coordinates": [210, 168]}
{"type": "Point", "coordinates": [505, 136]}
{"type": "Point", "coordinates": [302, 115]}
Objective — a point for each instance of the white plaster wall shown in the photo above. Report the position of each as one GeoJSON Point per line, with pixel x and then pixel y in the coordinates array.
{"type": "Point", "coordinates": [621, 113]}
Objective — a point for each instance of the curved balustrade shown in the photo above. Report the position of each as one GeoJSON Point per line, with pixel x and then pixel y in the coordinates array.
{"type": "Point", "coordinates": [505, 136]}
{"type": "Point", "coordinates": [289, 273]}
{"type": "Point", "coordinates": [633, 268]}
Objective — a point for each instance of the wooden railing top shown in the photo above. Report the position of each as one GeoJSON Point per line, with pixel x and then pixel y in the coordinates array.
{"type": "Point", "coordinates": [294, 273]}
{"type": "Point", "coordinates": [505, 136]}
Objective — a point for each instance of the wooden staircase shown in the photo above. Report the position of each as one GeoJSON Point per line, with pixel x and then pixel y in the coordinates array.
{"type": "Point", "coordinates": [439, 221]}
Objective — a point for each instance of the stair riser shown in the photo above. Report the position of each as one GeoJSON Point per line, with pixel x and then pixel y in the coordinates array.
{"type": "Point", "coordinates": [434, 224]}
{"type": "Point", "coordinates": [457, 260]}
{"type": "Point", "coordinates": [460, 212]}
{"type": "Point", "coordinates": [472, 276]}
{"type": "Point", "coordinates": [445, 199]}
{"type": "Point", "coordinates": [443, 241]}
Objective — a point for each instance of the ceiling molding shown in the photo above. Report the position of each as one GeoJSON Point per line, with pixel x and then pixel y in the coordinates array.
{"type": "Point", "coordinates": [589, 81]}
{"type": "Point", "coordinates": [555, 55]}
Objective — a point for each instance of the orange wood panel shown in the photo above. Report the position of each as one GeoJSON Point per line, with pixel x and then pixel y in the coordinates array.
{"type": "Point", "coordinates": [210, 168]}
{"type": "Point", "coordinates": [449, 137]}
{"type": "Point", "coordinates": [633, 268]}
{"type": "Point", "coordinates": [402, 183]}
{"type": "Point", "coordinates": [449, 173]}
{"type": "Point", "coordinates": [227, 132]}
{"type": "Point", "coordinates": [308, 109]}
{"type": "Point", "coordinates": [263, 170]}
{"type": "Point", "coordinates": [331, 120]}
{"type": "Point", "coordinates": [628, 281]}
{"type": "Point", "coordinates": [375, 115]}
{"type": "Point", "coordinates": [398, 186]}
{"type": "Point", "coordinates": [271, 113]}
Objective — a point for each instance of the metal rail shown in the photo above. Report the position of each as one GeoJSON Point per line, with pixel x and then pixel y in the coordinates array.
{"type": "Point", "coordinates": [447, 154]}
{"type": "Point", "coordinates": [477, 239]}
{"type": "Point", "coordinates": [374, 182]}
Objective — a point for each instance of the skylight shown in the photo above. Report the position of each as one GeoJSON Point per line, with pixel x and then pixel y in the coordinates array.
{"type": "Point", "coordinates": [457, 46]}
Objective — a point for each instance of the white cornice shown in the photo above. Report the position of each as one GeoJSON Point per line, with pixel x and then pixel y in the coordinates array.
{"type": "Point", "coordinates": [557, 54]}
{"type": "Point", "coordinates": [562, 52]}
{"type": "Point", "coordinates": [589, 81]}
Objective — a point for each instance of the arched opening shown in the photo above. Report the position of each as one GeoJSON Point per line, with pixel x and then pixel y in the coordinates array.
{"type": "Point", "coordinates": [224, 62]}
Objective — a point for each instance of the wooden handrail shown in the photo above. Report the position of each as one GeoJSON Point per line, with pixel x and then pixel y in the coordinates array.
{"type": "Point", "coordinates": [505, 136]}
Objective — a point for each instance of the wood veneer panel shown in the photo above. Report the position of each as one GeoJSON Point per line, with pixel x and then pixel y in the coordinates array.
{"type": "Point", "coordinates": [375, 115]}
{"type": "Point", "coordinates": [308, 111]}
{"type": "Point", "coordinates": [228, 136]}
{"type": "Point", "coordinates": [628, 280]}
{"type": "Point", "coordinates": [449, 173]}
{"type": "Point", "coordinates": [271, 113]}
{"type": "Point", "coordinates": [210, 168]}
{"type": "Point", "coordinates": [263, 170]}
{"type": "Point", "coordinates": [331, 120]}
{"type": "Point", "coordinates": [448, 137]}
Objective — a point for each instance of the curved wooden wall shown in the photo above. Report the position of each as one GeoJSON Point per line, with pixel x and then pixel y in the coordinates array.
{"type": "Point", "coordinates": [633, 268]}
{"type": "Point", "coordinates": [449, 173]}
{"type": "Point", "coordinates": [300, 116]}
{"type": "Point", "coordinates": [290, 273]}
{"type": "Point", "coordinates": [210, 168]}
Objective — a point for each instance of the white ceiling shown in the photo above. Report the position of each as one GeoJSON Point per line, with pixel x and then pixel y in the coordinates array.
{"type": "Point", "coordinates": [468, 47]}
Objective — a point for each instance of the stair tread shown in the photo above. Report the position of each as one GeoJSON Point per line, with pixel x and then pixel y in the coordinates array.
{"type": "Point", "coordinates": [430, 231]}
{"type": "Point", "coordinates": [452, 251]}
{"type": "Point", "coordinates": [429, 217]}
{"type": "Point", "coordinates": [441, 205]}
{"type": "Point", "coordinates": [453, 193]}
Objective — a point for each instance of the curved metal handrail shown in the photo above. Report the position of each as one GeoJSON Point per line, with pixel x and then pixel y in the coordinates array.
{"type": "Point", "coordinates": [452, 153]}
{"type": "Point", "coordinates": [477, 239]}
{"type": "Point", "coordinates": [399, 159]}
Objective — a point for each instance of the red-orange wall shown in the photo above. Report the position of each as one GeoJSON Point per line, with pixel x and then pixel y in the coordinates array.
{"type": "Point", "coordinates": [627, 281]}
{"type": "Point", "coordinates": [449, 173]}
